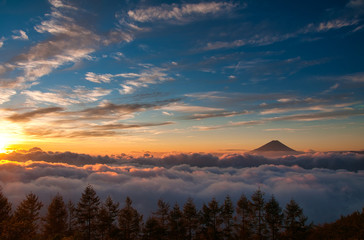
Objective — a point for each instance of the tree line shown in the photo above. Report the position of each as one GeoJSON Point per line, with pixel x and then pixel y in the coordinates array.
{"type": "Point", "coordinates": [91, 219]}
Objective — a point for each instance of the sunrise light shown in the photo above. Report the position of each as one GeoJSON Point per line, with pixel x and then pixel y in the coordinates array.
{"type": "Point", "coordinates": [181, 99]}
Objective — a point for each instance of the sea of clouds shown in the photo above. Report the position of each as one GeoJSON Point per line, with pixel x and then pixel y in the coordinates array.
{"type": "Point", "coordinates": [326, 185]}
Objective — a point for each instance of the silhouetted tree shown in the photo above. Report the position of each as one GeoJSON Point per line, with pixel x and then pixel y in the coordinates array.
{"type": "Point", "coordinates": [55, 221]}
{"type": "Point", "coordinates": [162, 216]}
{"type": "Point", "coordinates": [191, 218]}
{"type": "Point", "coordinates": [176, 224]}
{"type": "Point", "coordinates": [5, 213]}
{"type": "Point", "coordinates": [24, 223]}
{"type": "Point", "coordinates": [273, 217]}
{"type": "Point", "coordinates": [130, 221]}
{"type": "Point", "coordinates": [243, 218]}
{"type": "Point", "coordinates": [294, 221]}
{"type": "Point", "coordinates": [257, 207]}
{"type": "Point", "coordinates": [87, 211]}
{"type": "Point", "coordinates": [153, 230]}
{"type": "Point", "coordinates": [227, 212]}
{"type": "Point", "coordinates": [211, 220]}
{"type": "Point", "coordinates": [71, 220]}
{"type": "Point", "coordinates": [347, 227]}
{"type": "Point", "coordinates": [106, 219]}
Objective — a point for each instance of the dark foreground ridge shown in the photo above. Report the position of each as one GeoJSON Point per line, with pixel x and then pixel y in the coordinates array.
{"type": "Point", "coordinates": [274, 146]}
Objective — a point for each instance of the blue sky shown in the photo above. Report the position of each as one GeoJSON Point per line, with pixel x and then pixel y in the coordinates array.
{"type": "Point", "coordinates": [116, 76]}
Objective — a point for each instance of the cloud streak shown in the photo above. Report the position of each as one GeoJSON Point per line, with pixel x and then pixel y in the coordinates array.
{"type": "Point", "coordinates": [27, 116]}
{"type": "Point", "coordinates": [131, 81]}
{"type": "Point", "coordinates": [181, 12]}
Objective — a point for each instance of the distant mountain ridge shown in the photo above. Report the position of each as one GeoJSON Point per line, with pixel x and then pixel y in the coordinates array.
{"type": "Point", "coordinates": [274, 146]}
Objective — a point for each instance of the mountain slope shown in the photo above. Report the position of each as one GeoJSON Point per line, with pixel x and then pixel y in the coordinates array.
{"type": "Point", "coordinates": [274, 146]}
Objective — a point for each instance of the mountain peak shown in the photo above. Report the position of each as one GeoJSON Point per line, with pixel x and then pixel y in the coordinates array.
{"type": "Point", "coordinates": [274, 146]}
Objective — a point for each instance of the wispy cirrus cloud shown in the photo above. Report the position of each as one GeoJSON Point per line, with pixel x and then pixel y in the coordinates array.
{"type": "Point", "coordinates": [183, 107]}
{"type": "Point", "coordinates": [330, 25]}
{"type": "Point", "coordinates": [256, 40]}
{"type": "Point", "coordinates": [27, 116]}
{"type": "Point", "coordinates": [131, 81]}
{"type": "Point", "coordinates": [98, 78]}
{"type": "Point", "coordinates": [215, 114]}
{"type": "Point", "coordinates": [355, 77]}
{"type": "Point", "coordinates": [5, 95]}
{"type": "Point", "coordinates": [20, 34]}
{"type": "Point", "coordinates": [2, 40]}
{"type": "Point", "coordinates": [70, 43]}
{"type": "Point", "coordinates": [66, 97]}
{"type": "Point", "coordinates": [181, 13]}
{"type": "Point", "coordinates": [316, 116]}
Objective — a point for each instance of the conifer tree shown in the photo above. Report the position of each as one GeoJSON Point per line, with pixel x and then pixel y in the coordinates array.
{"type": "Point", "coordinates": [162, 216]}
{"type": "Point", "coordinates": [153, 230]}
{"type": "Point", "coordinates": [176, 224]}
{"type": "Point", "coordinates": [106, 219]}
{"type": "Point", "coordinates": [190, 217]}
{"type": "Point", "coordinates": [55, 222]}
{"type": "Point", "coordinates": [87, 211]}
{"type": "Point", "coordinates": [211, 220]}
{"type": "Point", "coordinates": [244, 223]}
{"type": "Point", "coordinates": [71, 220]}
{"type": "Point", "coordinates": [257, 206]}
{"type": "Point", "coordinates": [273, 217]}
{"type": "Point", "coordinates": [130, 221]}
{"type": "Point", "coordinates": [24, 224]}
{"type": "Point", "coordinates": [294, 221]}
{"type": "Point", "coordinates": [5, 213]}
{"type": "Point", "coordinates": [227, 212]}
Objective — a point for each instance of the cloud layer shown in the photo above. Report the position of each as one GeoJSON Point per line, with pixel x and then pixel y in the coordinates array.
{"type": "Point", "coordinates": [317, 181]}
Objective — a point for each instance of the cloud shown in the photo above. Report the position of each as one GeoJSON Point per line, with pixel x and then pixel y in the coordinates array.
{"type": "Point", "coordinates": [147, 76]}
{"type": "Point", "coordinates": [332, 105]}
{"type": "Point", "coordinates": [70, 42]}
{"type": "Point", "coordinates": [330, 25]}
{"type": "Point", "coordinates": [20, 34]}
{"type": "Point", "coordinates": [66, 97]}
{"type": "Point", "coordinates": [181, 12]}
{"type": "Point", "coordinates": [355, 3]}
{"type": "Point", "coordinates": [182, 107]}
{"type": "Point", "coordinates": [332, 88]}
{"type": "Point", "coordinates": [92, 77]}
{"type": "Point", "coordinates": [199, 116]}
{"type": "Point", "coordinates": [5, 95]}
{"type": "Point", "coordinates": [316, 116]}
{"type": "Point", "coordinates": [24, 117]}
{"type": "Point", "coordinates": [256, 40]}
{"type": "Point", "coordinates": [356, 77]}
{"type": "Point", "coordinates": [2, 40]}
{"type": "Point", "coordinates": [104, 120]}
{"type": "Point", "coordinates": [321, 115]}
{"type": "Point", "coordinates": [61, 4]}
{"type": "Point", "coordinates": [314, 180]}
{"type": "Point", "coordinates": [107, 109]}
{"type": "Point", "coordinates": [127, 126]}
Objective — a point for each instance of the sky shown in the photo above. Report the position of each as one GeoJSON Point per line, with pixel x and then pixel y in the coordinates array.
{"type": "Point", "coordinates": [138, 97]}
{"type": "Point", "coordinates": [133, 76]}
